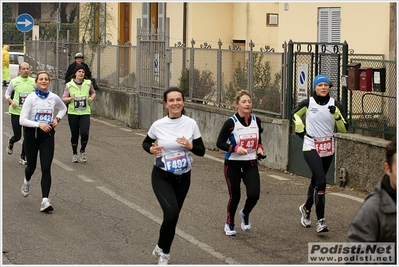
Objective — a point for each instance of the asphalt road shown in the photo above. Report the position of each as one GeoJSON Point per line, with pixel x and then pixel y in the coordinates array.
{"type": "Point", "coordinates": [105, 212]}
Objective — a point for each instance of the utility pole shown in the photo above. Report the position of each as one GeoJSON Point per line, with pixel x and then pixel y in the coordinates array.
{"type": "Point", "coordinates": [58, 33]}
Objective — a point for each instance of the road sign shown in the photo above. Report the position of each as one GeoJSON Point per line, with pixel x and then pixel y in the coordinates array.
{"type": "Point", "coordinates": [24, 22]}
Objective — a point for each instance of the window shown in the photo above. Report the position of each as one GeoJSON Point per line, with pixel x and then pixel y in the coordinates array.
{"type": "Point", "coordinates": [153, 16]}
{"type": "Point", "coordinates": [329, 28]}
{"type": "Point", "coordinates": [271, 19]}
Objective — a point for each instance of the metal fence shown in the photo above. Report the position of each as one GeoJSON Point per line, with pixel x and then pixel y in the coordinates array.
{"type": "Point", "coordinates": [211, 76]}
{"type": "Point", "coordinates": [374, 113]}
{"type": "Point", "coordinates": [206, 75]}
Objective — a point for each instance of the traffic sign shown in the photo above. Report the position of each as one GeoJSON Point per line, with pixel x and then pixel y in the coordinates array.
{"type": "Point", "coordinates": [24, 22]}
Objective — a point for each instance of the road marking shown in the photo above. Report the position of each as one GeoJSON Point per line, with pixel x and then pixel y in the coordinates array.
{"type": "Point", "coordinates": [126, 129]}
{"type": "Point", "coordinates": [358, 199]}
{"type": "Point", "coordinates": [278, 177]}
{"type": "Point", "coordinates": [143, 135]}
{"type": "Point", "coordinates": [103, 122]}
{"type": "Point", "coordinates": [211, 157]}
{"type": "Point", "coordinates": [62, 165]}
{"type": "Point", "coordinates": [85, 178]}
{"type": "Point", "coordinates": [179, 232]}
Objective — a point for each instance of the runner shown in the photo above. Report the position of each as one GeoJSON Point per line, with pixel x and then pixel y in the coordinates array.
{"type": "Point", "coordinates": [240, 137]}
{"type": "Point", "coordinates": [172, 139]}
{"type": "Point", "coordinates": [39, 121]}
{"type": "Point", "coordinates": [323, 113]}
{"type": "Point", "coordinates": [16, 93]}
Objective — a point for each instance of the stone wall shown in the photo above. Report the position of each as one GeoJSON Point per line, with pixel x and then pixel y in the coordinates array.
{"type": "Point", "coordinates": [362, 157]}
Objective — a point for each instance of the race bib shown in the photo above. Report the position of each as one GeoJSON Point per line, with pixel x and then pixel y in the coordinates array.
{"type": "Point", "coordinates": [22, 97]}
{"type": "Point", "coordinates": [80, 103]}
{"type": "Point", "coordinates": [248, 141]}
{"type": "Point", "coordinates": [177, 162]}
{"type": "Point", "coordinates": [44, 116]}
{"type": "Point", "coordinates": [324, 145]}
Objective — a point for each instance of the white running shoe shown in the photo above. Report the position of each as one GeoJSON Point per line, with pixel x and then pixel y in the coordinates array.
{"type": "Point", "coordinates": [245, 223]}
{"type": "Point", "coordinates": [83, 157]}
{"type": "Point", "coordinates": [321, 226]}
{"type": "Point", "coordinates": [25, 189]}
{"type": "Point", "coordinates": [163, 259]}
{"type": "Point", "coordinates": [157, 252]}
{"type": "Point", "coordinates": [229, 229]}
{"type": "Point", "coordinates": [46, 206]}
{"type": "Point", "coordinates": [22, 161]}
{"type": "Point", "coordinates": [305, 219]}
{"type": "Point", "coordinates": [75, 158]}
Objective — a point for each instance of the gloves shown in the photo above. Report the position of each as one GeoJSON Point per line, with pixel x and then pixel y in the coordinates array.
{"type": "Point", "coordinates": [260, 157]}
{"type": "Point", "coordinates": [301, 135]}
{"type": "Point", "coordinates": [335, 112]}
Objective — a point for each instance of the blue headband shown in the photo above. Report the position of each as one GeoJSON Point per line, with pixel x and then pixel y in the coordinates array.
{"type": "Point", "coordinates": [319, 79]}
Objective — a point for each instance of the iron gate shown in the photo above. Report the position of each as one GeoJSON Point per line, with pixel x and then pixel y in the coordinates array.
{"type": "Point", "coordinates": [152, 70]}
{"type": "Point", "coordinates": [305, 61]}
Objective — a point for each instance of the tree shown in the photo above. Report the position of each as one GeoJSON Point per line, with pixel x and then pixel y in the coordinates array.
{"type": "Point", "coordinates": [68, 11]}
{"type": "Point", "coordinates": [266, 86]}
{"type": "Point", "coordinates": [7, 12]}
{"type": "Point", "coordinates": [204, 84]}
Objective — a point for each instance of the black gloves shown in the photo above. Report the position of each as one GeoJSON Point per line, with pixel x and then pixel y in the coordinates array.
{"type": "Point", "coordinates": [332, 109]}
{"type": "Point", "coordinates": [301, 135]}
{"type": "Point", "coordinates": [260, 157]}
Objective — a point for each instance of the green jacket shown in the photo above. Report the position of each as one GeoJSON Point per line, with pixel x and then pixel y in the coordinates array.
{"type": "Point", "coordinates": [22, 88]}
{"type": "Point", "coordinates": [80, 105]}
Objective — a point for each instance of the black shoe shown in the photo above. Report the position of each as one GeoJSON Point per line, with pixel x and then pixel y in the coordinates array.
{"type": "Point", "coordinates": [9, 147]}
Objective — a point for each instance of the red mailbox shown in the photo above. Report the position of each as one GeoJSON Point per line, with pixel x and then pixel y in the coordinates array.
{"type": "Point", "coordinates": [365, 80]}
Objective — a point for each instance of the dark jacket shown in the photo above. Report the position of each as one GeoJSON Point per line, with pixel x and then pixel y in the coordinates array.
{"type": "Point", "coordinates": [71, 70]}
{"type": "Point", "coordinates": [375, 221]}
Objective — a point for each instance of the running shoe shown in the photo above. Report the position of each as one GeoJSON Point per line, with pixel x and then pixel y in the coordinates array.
{"type": "Point", "coordinates": [46, 206]}
{"type": "Point", "coordinates": [245, 223]}
{"type": "Point", "coordinates": [22, 161]}
{"type": "Point", "coordinates": [83, 157]}
{"type": "Point", "coordinates": [25, 189]}
{"type": "Point", "coordinates": [75, 158]}
{"type": "Point", "coordinates": [9, 147]}
{"type": "Point", "coordinates": [321, 226]}
{"type": "Point", "coordinates": [229, 229]}
{"type": "Point", "coordinates": [163, 259]}
{"type": "Point", "coordinates": [157, 252]}
{"type": "Point", "coordinates": [305, 219]}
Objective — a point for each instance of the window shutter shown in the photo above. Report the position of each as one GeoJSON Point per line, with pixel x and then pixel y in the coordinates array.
{"type": "Point", "coordinates": [146, 16]}
{"type": "Point", "coordinates": [161, 17]}
{"type": "Point", "coordinates": [329, 25]}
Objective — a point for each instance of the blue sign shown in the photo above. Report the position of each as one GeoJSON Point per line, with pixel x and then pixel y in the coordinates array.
{"type": "Point", "coordinates": [24, 22]}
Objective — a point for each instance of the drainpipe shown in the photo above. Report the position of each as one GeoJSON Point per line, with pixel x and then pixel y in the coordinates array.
{"type": "Point", "coordinates": [184, 32]}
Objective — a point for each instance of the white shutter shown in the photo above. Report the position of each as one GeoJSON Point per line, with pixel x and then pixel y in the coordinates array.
{"type": "Point", "coordinates": [336, 25]}
{"type": "Point", "coordinates": [146, 16]}
{"type": "Point", "coordinates": [329, 28]}
{"type": "Point", "coordinates": [161, 17]}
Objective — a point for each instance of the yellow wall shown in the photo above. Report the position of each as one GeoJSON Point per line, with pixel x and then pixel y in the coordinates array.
{"type": "Point", "coordinates": [364, 25]}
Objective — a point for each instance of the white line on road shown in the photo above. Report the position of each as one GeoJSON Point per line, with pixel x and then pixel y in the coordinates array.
{"type": "Point", "coordinates": [62, 165]}
{"type": "Point", "coordinates": [179, 232]}
{"type": "Point", "coordinates": [215, 159]}
{"type": "Point", "coordinates": [358, 199]}
{"type": "Point", "coordinates": [85, 178]}
{"type": "Point", "coordinates": [278, 177]}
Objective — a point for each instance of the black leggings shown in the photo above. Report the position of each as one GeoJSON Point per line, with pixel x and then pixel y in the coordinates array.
{"type": "Point", "coordinates": [170, 190]}
{"type": "Point", "coordinates": [17, 130]}
{"type": "Point", "coordinates": [79, 124]}
{"type": "Point", "coordinates": [44, 144]}
{"type": "Point", "coordinates": [316, 192]}
{"type": "Point", "coordinates": [251, 179]}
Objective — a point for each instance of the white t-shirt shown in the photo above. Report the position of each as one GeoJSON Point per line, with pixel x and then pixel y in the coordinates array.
{"type": "Point", "coordinates": [37, 110]}
{"type": "Point", "coordinates": [166, 130]}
